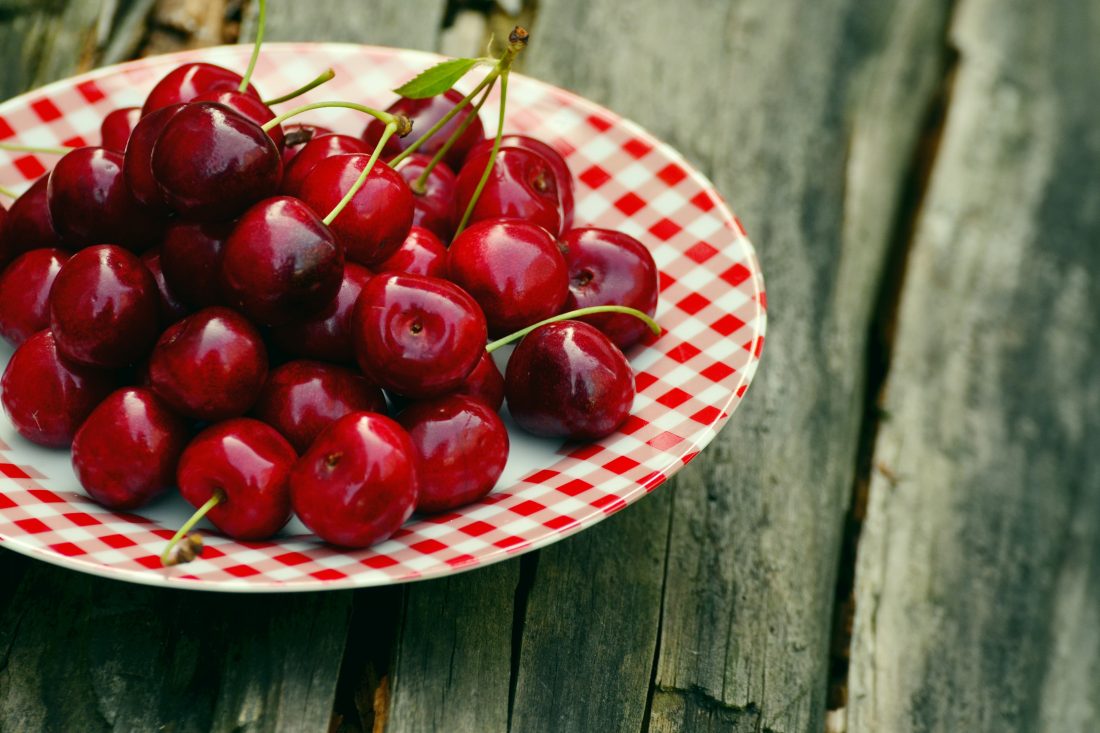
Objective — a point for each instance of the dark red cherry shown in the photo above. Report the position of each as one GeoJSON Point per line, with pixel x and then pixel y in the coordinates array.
{"type": "Point", "coordinates": [461, 448]}
{"type": "Point", "coordinates": [191, 259]}
{"type": "Point", "coordinates": [171, 308]}
{"type": "Point", "coordinates": [295, 137]}
{"type": "Point", "coordinates": [28, 224]}
{"type": "Point", "coordinates": [137, 166]}
{"type": "Point", "coordinates": [562, 176]}
{"type": "Point", "coordinates": [47, 398]}
{"type": "Point", "coordinates": [90, 202]}
{"type": "Point", "coordinates": [302, 398]}
{"type": "Point", "coordinates": [125, 453]}
{"type": "Point", "coordinates": [114, 131]}
{"type": "Point", "coordinates": [424, 113]}
{"type": "Point", "coordinates": [103, 307]}
{"type": "Point", "coordinates": [24, 293]}
{"type": "Point", "coordinates": [187, 81]}
{"type": "Point", "coordinates": [248, 106]}
{"type": "Point", "coordinates": [280, 263]}
{"type": "Point", "coordinates": [357, 483]}
{"type": "Point", "coordinates": [376, 220]}
{"type": "Point", "coordinates": [521, 185]}
{"type": "Point", "coordinates": [420, 254]}
{"type": "Point", "coordinates": [327, 335]}
{"type": "Point", "coordinates": [249, 463]}
{"type": "Point", "coordinates": [211, 163]}
{"type": "Point", "coordinates": [417, 336]}
{"type": "Point", "coordinates": [611, 268]}
{"type": "Point", "coordinates": [312, 153]}
{"type": "Point", "coordinates": [567, 380]}
{"type": "Point", "coordinates": [434, 207]}
{"type": "Point", "coordinates": [485, 382]}
{"type": "Point", "coordinates": [211, 365]}
{"type": "Point", "coordinates": [513, 269]}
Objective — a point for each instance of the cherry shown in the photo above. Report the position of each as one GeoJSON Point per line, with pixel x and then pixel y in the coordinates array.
{"type": "Point", "coordinates": [312, 153]}
{"type": "Point", "coordinates": [243, 466]}
{"type": "Point", "coordinates": [302, 398]}
{"type": "Point", "coordinates": [47, 398]}
{"type": "Point", "coordinates": [248, 106]}
{"type": "Point", "coordinates": [211, 365]}
{"type": "Point", "coordinates": [280, 263]}
{"type": "Point", "coordinates": [327, 335]}
{"type": "Point", "coordinates": [417, 336]}
{"type": "Point", "coordinates": [567, 380]}
{"type": "Point", "coordinates": [485, 382]}
{"type": "Point", "coordinates": [513, 269]}
{"type": "Point", "coordinates": [114, 131]}
{"type": "Point", "coordinates": [357, 483]}
{"type": "Point", "coordinates": [424, 113]}
{"type": "Point", "coordinates": [170, 307]}
{"type": "Point", "coordinates": [212, 163]}
{"type": "Point", "coordinates": [103, 307]}
{"type": "Point", "coordinates": [191, 260]}
{"type": "Point", "coordinates": [137, 166]}
{"type": "Point", "coordinates": [24, 293]}
{"type": "Point", "coordinates": [28, 224]}
{"type": "Point", "coordinates": [378, 218]}
{"type": "Point", "coordinates": [461, 447]}
{"type": "Point", "coordinates": [560, 168]}
{"type": "Point", "coordinates": [521, 185]}
{"type": "Point", "coordinates": [125, 453]}
{"type": "Point", "coordinates": [90, 202]}
{"type": "Point", "coordinates": [420, 254]}
{"type": "Point", "coordinates": [434, 207]}
{"type": "Point", "coordinates": [611, 268]}
{"type": "Point", "coordinates": [295, 137]}
{"type": "Point", "coordinates": [186, 82]}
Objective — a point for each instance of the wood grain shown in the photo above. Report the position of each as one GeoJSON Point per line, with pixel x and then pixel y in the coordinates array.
{"type": "Point", "coordinates": [977, 603]}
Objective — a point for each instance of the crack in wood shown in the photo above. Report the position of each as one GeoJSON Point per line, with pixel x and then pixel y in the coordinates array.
{"type": "Point", "coordinates": [528, 568]}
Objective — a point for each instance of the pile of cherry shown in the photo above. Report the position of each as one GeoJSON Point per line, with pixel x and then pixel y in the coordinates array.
{"type": "Point", "coordinates": [185, 313]}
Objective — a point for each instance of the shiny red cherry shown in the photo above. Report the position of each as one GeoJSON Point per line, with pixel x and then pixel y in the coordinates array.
{"type": "Point", "coordinates": [248, 106]}
{"type": "Point", "coordinates": [187, 81]}
{"type": "Point", "coordinates": [191, 260]}
{"type": "Point", "coordinates": [376, 220]}
{"type": "Point", "coordinates": [357, 483]}
{"type": "Point", "coordinates": [125, 453]}
{"type": "Point", "coordinates": [420, 254]}
{"type": "Point", "coordinates": [171, 307]}
{"type": "Point", "coordinates": [280, 263]}
{"type": "Point", "coordinates": [485, 382]}
{"type": "Point", "coordinates": [211, 365]}
{"type": "Point", "coordinates": [28, 224]}
{"type": "Point", "coordinates": [24, 293]}
{"type": "Point", "coordinates": [567, 380]}
{"type": "Point", "coordinates": [327, 335]}
{"type": "Point", "coordinates": [424, 113]}
{"type": "Point", "coordinates": [312, 153]}
{"type": "Point", "coordinates": [521, 185]}
{"type": "Point", "coordinates": [114, 131]}
{"type": "Point", "coordinates": [295, 137]}
{"type": "Point", "coordinates": [461, 448]}
{"type": "Point", "coordinates": [417, 336]}
{"type": "Point", "coordinates": [137, 165]}
{"type": "Point", "coordinates": [302, 398]}
{"type": "Point", "coordinates": [562, 176]}
{"type": "Point", "coordinates": [90, 202]}
{"type": "Point", "coordinates": [47, 398]}
{"type": "Point", "coordinates": [103, 307]}
{"type": "Point", "coordinates": [248, 464]}
{"type": "Point", "coordinates": [434, 206]}
{"type": "Point", "coordinates": [212, 163]}
{"type": "Point", "coordinates": [611, 268]}
{"type": "Point", "coordinates": [513, 269]}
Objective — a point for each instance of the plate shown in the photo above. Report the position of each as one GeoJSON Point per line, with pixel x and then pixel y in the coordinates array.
{"type": "Point", "coordinates": [689, 380]}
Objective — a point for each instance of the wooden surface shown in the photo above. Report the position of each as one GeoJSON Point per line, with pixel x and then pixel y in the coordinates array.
{"type": "Point", "coordinates": [900, 528]}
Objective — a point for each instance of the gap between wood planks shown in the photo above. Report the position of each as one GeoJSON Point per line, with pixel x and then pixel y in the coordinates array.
{"type": "Point", "coordinates": [880, 344]}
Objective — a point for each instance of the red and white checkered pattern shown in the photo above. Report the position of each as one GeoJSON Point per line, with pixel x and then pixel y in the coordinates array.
{"type": "Point", "coordinates": [689, 380]}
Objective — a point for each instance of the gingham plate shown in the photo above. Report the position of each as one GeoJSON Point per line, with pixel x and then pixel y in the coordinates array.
{"type": "Point", "coordinates": [689, 380]}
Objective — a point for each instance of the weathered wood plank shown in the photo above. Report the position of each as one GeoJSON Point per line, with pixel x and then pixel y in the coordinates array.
{"type": "Point", "coordinates": [380, 22]}
{"type": "Point", "coordinates": [979, 564]}
{"type": "Point", "coordinates": [40, 42]}
{"type": "Point", "coordinates": [806, 116]}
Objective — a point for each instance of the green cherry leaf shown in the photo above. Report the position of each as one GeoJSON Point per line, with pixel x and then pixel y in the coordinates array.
{"type": "Point", "coordinates": [437, 79]}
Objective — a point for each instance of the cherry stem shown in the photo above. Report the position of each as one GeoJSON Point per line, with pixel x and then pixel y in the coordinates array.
{"type": "Point", "coordinates": [391, 128]}
{"type": "Point", "coordinates": [8, 192]}
{"type": "Point", "coordinates": [325, 76]}
{"type": "Point", "coordinates": [255, 47]}
{"type": "Point", "coordinates": [39, 149]}
{"type": "Point", "coordinates": [421, 181]}
{"type": "Point", "coordinates": [492, 156]}
{"type": "Point", "coordinates": [213, 501]}
{"type": "Point", "coordinates": [578, 313]}
{"type": "Point", "coordinates": [386, 117]}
